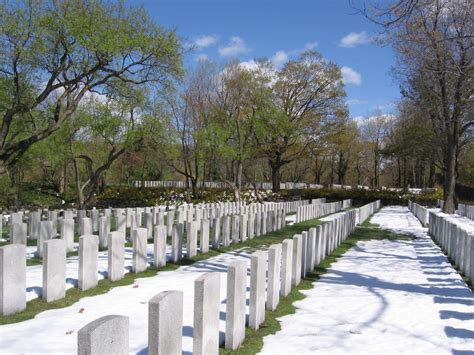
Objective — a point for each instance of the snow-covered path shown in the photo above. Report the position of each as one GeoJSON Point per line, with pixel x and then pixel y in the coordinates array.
{"type": "Point", "coordinates": [383, 297]}
{"type": "Point", "coordinates": [55, 331]}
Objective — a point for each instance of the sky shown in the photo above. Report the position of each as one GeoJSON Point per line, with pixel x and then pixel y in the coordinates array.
{"type": "Point", "coordinates": [222, 30]}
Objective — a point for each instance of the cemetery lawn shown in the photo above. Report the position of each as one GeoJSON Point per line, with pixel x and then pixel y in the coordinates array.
{"type": "Point", "coordinates": [38, 305]}
{"type": "Point", "coordinates": [254, 338]}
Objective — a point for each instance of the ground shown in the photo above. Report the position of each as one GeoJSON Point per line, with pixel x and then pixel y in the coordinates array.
{"type": "Point", "coordinates": [383, 297]}
{"type": "Point", "coordinates": [380, 297]}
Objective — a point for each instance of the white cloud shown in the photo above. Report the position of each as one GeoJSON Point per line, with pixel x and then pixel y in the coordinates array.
{"type": "Point", "coordinates": [364, 120]}
{"type": "Point", "coordinates": [249, 65]}
{"type": "Point", "coordinates": [310, 46]}
{"type": "Point", "coordinates": [356, 102]}
{"type": "Point", "coordinates": [353, 39]}
{"type": "Point", "coordinates": [205, 41]}
{"type": "Point", "coordinates": [236, 46]}
{"type": "Point", "coordinates": [202, 57]}
{"type": "Point", "coordinates": [350, 76]}
{"type": "Point", "coordinates": [280, 58]}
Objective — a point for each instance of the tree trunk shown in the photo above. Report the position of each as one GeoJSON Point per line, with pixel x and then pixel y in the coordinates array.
{"type": "Point", "coordinates": [275, 167]}
{"type": "Point", "coordinates": [238, 181]}
{"type": "Point", "coordinates": [80, 193]}
{"type": "Point", "coordinates": [449, 179]}
{"type": "Point", "coordinates": [431, 180]}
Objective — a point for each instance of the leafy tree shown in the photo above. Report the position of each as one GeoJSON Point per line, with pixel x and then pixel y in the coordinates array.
{"type": "Point", "coordinates": [306, 93]}
{"type": "Point", "coordinates": [56, 52]}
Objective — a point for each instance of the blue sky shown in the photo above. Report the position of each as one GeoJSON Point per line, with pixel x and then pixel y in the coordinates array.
{"type": "Point", "coordinates": [279, 29]}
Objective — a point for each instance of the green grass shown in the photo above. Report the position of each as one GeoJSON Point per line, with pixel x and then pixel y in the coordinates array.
{"type": "Point", "coordinates": [38, 305]}
{"type": "Point", "coordinates": [254, 338]}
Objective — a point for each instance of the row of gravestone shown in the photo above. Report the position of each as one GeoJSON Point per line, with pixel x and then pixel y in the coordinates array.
{"type": "Point", "coordinates": [134, 217]}
{"type": "Point", "coordinates": [456, 241]}
{"type": "Point", "coordinates": [235, 229]}
{"type": "Point", "coordinates": [365, 211]}
{"type": "Point", "coordinates": [319, 208]}
{"type": "Point", "coordinates": [273, 273]}
{"type": "Point", "coordinates": [466, 210]}
{"type": "Point", "coordinates": [419, 212]}
{"type": "Point", "coordinates": [123, 218]}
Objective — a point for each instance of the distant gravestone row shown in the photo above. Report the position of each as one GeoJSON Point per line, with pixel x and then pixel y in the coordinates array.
{"type": "Point", "coordinates": [368, 210]}
{"type": "Point", "coordinates": [420, 212]}
{"type": "Point", "coordinates": [318, 208]}
{"type": "Point", "coordinates": [273, 274]}
{"type": "Point", "coordinates": [454, 240]}
{"type": "Point", "coordinates": [189, 228]}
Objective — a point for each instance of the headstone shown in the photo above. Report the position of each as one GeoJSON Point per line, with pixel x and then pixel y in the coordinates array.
{"type": "Point", "coordinates": [104, 230]}
{"type": "Point", "coordinates": [160, 246]}
{"type": "Point", "coordinates": [177, 242]}
{"type": "Point", "coordinates": [86, 227]}
{"type": "Point", "coordinates": [304, 253]}
{"type": "Point", "coordinates": [235, 305]}
{"type": "Point", "coordinates": [226, 231]}
{"type": "Point", "coordinates": [296, 267]}
{"type": "Point", "coordinates": [170, 221]}
{"type": "Point", "coordinates": [216, 228]}
{"type": "Point", "coordinates": [54, 269]}
{"type": "Point", "coordinates": [35, 220]}
{"type": "Point", "coordinates": [257, 288]}
{"type": "Point", "coordinates": [191, 240]}
{"type": "Point", "coordinates": [274, 270]}
{"type": "Point", "coordinates": [149, 224]}
{"type": "Point", "coordinates": [204, 240]}
{"type": "Point", "coordinates": [116, 256]}
{"type": "Point", "coordinates": [286, 266]}
{"type": "Point", "coordinates": [121, 223]}
{"type": "Point", "coordinates": [95, 221]}
{"type": "Point", "coordinates": [18, 235]}
{"type": "Point", "coordinates": [165, 322]}
{"type": "Point", "coordinates": [46, 233]}
{"type": "Point", "coordinates": [88, 262]}
{"type": "Point", "coordinates": [106, 335]}
{"type": "Point", "coordinates": [235, 229]}
{"type": "Point", "coordinates": [139, 241]}
{"type": "Point", "coordinates": [67, 233]}
{"type": "Point", "coordinates": [206, 314]}
{"type": "Point", "coordinates": [12, 279]}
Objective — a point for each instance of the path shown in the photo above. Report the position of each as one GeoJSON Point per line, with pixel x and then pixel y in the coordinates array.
{"type": "Point", "coordinates": [383, 297]}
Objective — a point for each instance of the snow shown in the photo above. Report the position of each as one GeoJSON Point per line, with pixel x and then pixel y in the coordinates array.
{"type": "Point", "coordinates": [463, 222]}
{"type": "Point", "coordinates": [34, 274]}
{"type": "Point", "coordinates": [383, 297]}
{"type": "Point", "coordinates": [55, 331]}
{"type": "Point", "coordinates": [380, 297]}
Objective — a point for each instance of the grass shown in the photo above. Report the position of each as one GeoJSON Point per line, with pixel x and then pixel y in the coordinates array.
{"type": "Point", "coordinates": [254, 338]}
{"type": "Point", "coordinates": [38, 305]}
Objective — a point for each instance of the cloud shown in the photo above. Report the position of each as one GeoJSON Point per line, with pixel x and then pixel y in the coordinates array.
{"type": "Point", "coordinates": [202, 57]}
{"type": "Point", "coordinates": [205, 41]}
{"type": "Point", "coordinates": [236, 46]}
{"type": "Point", "coordinates": [350, 76]}
{"type": "Point", "coordinates": [310, 46]}
{"type": "Point", "coordinates": [280, 58]}
{"type": "Point", "coordinates": [364, 120]}
{"type": "Point", "coordinates": [356, 102]}
{"type": "Point", "coordinates": [354, 39]}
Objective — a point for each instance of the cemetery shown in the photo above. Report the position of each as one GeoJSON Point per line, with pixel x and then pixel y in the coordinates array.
{"type": "Point", "coordinates": [236, 177]}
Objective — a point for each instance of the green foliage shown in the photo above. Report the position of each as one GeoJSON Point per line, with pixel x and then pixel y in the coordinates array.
{"type": "Point", "coordinates": [362, 197]}
{"type": "Point", "coordinates": [125, 196]}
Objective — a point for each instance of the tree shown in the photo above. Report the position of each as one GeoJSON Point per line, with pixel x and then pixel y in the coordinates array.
{"type": "Point", "coordinates": [307, 93]}
{"type": "Point", "coordinates": [374, 131]}
{"type": "Point", "coordinates": [56, 52]}
{"type": "Point", "coordinates": [236, 106]}
{"type": "Point", "coordinates": [100, 133]}
{"type": "Point", "coordinates": [189, 112]}
{"type": "Point", "coordinates": [434, 44]}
